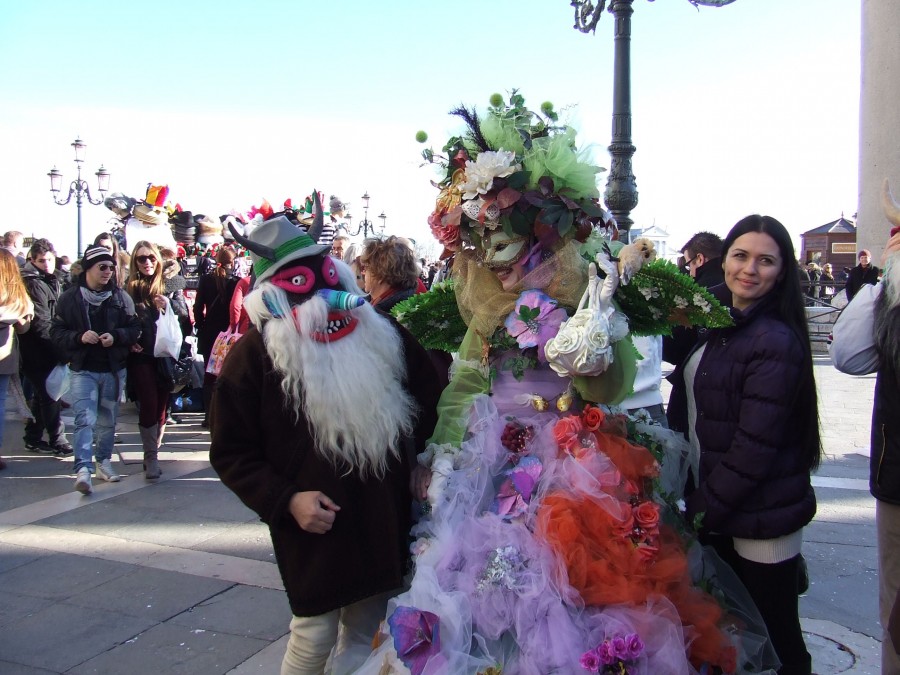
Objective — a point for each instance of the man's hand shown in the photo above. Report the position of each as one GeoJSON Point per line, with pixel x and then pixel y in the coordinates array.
{"type": "Point", "coordinates": [313, 511]}
{"type": "Point", "coordinates": [419, 481]}
{"type": "Point", "coordinates": [106, 340]}
{"type": "Point", "coordinates": [89, 337]}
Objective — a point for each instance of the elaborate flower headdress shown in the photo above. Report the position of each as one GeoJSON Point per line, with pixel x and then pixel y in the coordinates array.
{"type": "Point", "coordinates": [517, 171]}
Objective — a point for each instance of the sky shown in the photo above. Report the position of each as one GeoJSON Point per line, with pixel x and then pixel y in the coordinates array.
{"type": "Point", "coordinates": [748, 108]}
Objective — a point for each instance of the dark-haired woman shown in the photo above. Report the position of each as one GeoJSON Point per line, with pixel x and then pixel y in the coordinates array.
{"type": "Point", "coordinates": [751, 411]}
{"type": "Point", "coordinates": [146, 287]}
{"type": "Point", "coordinates": [211, 314]}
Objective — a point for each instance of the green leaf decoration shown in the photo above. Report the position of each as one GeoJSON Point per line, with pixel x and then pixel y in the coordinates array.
{"type": "Point", "coordinates": [527, 314]}
{"type": "Point", "coordinates": [660, 291]}
{"type": "Point", "coordinates": [433, 318]}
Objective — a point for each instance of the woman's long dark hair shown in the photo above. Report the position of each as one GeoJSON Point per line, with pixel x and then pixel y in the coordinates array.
{"type": "Point", "coordinates": [790, 307]}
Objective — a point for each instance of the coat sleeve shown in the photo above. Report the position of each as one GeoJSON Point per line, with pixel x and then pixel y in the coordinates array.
{"type": "Point", "coordinates": [40, 325]}
{"type": "Point", "coordinates": [130, 331]}
{"type": "Point", "coordinates": [853, 336]}
{"type": "Point", "coordinates": [770, 384]}
{"type": "Point", "coordinates": [200, 302]}
{"type": "Point", "coordinates": [238, 448]}
{"type": "Point", "coordinates": [63, 331]}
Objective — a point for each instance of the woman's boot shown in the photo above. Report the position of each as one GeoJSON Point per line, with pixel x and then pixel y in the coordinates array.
{"type": "Point", "coordinates": [149, 438]}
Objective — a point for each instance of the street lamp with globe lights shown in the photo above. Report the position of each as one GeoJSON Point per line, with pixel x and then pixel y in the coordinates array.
{"type": "Point", "coordinates": [79, 186]}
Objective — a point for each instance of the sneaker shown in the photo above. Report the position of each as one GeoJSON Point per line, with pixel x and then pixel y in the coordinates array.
{"type": "Point", "coordinates": [43, 447]}
{"type": "Point", "coordinates": [62, 449]}
{"type": "Point", "coordinates": [83, 481]}
{"type": "Point", "coordinates": [106, 472]}
{"type": "Point", "coordinates": [172, 420]}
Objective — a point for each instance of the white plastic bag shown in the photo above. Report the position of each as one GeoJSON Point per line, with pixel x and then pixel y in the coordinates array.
{"type": "Point", "coordinates": [168, 334]}
{"type": "Point", "coordinates": [58, 382]}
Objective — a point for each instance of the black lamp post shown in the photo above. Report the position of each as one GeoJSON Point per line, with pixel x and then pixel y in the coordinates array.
{"type": "Point", "coordinates": [621, 196]}
{"type": "Point", "coordinates": [79, 186]}
{"type": "Point", "coordinates": [367, 225]}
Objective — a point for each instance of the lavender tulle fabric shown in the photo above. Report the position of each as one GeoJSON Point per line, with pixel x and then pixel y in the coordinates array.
{"type": "Point", "coordinates": [500, 591]}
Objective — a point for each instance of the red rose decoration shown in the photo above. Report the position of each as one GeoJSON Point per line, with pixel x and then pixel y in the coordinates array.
{"type": "Point", "coordinates": [592, 417]}
{"type": "Point", "coordinates": [647, 515]}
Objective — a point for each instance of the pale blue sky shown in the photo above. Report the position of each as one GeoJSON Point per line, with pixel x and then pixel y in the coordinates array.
{"type": "Point", "coordinates": [748, 108]}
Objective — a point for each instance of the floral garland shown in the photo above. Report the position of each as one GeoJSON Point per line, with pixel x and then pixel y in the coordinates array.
{"type": "Point", "coordinates": [660, 296]}
{"type": "Point", "coordinates": [433, 318]}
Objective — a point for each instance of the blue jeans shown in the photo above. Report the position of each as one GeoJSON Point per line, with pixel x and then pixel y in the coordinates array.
{"type": "Point", "coordinates": [95, 402]}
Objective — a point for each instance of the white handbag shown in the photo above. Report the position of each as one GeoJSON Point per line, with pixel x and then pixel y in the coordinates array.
{"type": "Point", "coordinates": [584, 343]}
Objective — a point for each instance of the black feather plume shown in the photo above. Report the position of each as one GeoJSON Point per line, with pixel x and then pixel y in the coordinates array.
{"type": "Point", "coordinates": [470, 117]}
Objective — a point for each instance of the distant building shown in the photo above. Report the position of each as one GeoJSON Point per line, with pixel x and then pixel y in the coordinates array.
{"type": "Point", "coordinates": [833, 242]}
{"type": "Point", "coordinates": [658, 236]}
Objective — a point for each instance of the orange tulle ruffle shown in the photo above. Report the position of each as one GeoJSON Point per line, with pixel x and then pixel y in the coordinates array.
{"type": "Point", "coordinates": [606, 567]}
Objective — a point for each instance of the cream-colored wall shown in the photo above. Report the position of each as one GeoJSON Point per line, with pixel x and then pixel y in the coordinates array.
{"type": "Point", "coordinates": [879, 119]}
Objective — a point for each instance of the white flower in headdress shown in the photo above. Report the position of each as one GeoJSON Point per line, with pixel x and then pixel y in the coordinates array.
{"type": "Point", "coordinates": [481, 173]}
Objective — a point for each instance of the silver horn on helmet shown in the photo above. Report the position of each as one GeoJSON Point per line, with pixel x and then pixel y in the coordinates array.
{"type": "Point", "coordinates": [315, 231]}
{"type": "Point", "coordinates": [261, 250]}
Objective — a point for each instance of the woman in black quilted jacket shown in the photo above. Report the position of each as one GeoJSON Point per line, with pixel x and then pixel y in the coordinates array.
{"type": "Point", "coordinates": [752, 413]}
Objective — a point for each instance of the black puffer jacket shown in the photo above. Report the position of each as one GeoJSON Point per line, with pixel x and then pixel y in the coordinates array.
{"type": "Point", "coordinates": [71, 322]}
{"type": "Point", "coordinates": [38, 349]}
{"type": "Point", "coordinates": [754, 481]}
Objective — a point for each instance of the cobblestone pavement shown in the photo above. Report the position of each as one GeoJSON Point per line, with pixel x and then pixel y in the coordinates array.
{"type": "Point", "coordinates": [178, 576]}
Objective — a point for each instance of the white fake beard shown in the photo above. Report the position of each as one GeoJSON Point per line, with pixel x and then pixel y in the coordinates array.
{"type": "Point", "coordinates": [355, 404]}
{"type": "Point", "coordinates": [891, 280]}
{"type": "Point", "coordinates": [887, 315]}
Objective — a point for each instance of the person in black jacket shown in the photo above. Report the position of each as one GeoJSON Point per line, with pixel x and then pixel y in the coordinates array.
{"type": "Point", "coordinates": [95, 326]}
{"type": "Point", "coordinates": [864, 273]}
{"type": "Point", "coordinates": [703, 261]}
{"type": "Point", "coordinates": [751, 414]}
{"type": "Point", "coordinates": [39, 353]}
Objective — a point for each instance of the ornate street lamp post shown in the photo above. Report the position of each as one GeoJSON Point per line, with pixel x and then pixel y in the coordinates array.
{"type": "Point", "coordinates": [367, 225]}
{"type": "Point", "coordinates": [621, 196]}
{"type": "Point", "coordinates": [79, 186]}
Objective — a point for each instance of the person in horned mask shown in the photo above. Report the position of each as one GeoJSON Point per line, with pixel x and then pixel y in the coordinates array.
{"type": "Point", "coordinates": [320, 411]}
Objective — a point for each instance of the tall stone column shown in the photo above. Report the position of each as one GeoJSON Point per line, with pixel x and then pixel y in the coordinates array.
{"type": "Point", "coordinates": [879, 120]}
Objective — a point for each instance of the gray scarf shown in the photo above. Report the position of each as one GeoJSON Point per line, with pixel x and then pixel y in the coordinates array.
{"type": "Point", "coordinates": [95, 298]}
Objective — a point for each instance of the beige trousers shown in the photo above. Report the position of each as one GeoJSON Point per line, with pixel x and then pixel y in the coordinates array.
{"type": "Point", "coordinates": [314, 638]}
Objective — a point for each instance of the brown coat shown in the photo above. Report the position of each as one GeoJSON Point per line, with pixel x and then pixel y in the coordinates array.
{"type": "Point", "coordinates": [265, 458]}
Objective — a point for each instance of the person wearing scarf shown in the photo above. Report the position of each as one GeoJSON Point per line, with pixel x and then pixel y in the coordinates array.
{"type": "Point", "coordinates": [95, 326]}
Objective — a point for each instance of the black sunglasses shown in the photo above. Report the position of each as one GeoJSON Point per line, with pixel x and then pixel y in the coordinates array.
{"type": "Point", "coordinates": [145, 258]}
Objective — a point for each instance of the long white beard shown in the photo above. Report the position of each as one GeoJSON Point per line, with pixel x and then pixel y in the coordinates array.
{"type": "Point", "coordinates": [349, 390]}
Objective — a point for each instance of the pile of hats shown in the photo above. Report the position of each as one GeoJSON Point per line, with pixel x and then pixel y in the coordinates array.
{"type": "Point", "coordinates": [152, 210]}
{"type": "Point", "coordinates": [183, 227]}
{"type": "Point", "coordinates": [209, 230]}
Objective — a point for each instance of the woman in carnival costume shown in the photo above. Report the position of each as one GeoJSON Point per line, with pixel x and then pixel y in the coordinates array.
{"type": "Point", "coordinates": [551, 541]}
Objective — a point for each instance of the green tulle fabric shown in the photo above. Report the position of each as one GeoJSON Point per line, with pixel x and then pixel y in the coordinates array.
{"type": "Point", "coordinates": [552, 156]}
{"type": "Point", "coordinates": [617, 382]}
{"type": "Point", "coordinates": [501, 133]}
{"type": "Point", "coordinates": [457, 399]}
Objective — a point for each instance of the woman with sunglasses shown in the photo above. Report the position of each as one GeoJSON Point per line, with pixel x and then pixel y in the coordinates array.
{"type": "Point", "coordinates": [146, 287]}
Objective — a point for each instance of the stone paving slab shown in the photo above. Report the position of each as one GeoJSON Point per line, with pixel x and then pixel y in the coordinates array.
{"type": "Point", "coordinates": [241, 610]}
{"type": "Point", "coordinates": [171, 648]}
{"type": "Point", "coordinates": [63, 636]}
{"type": "Point", "coordinates": [148, 593]}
